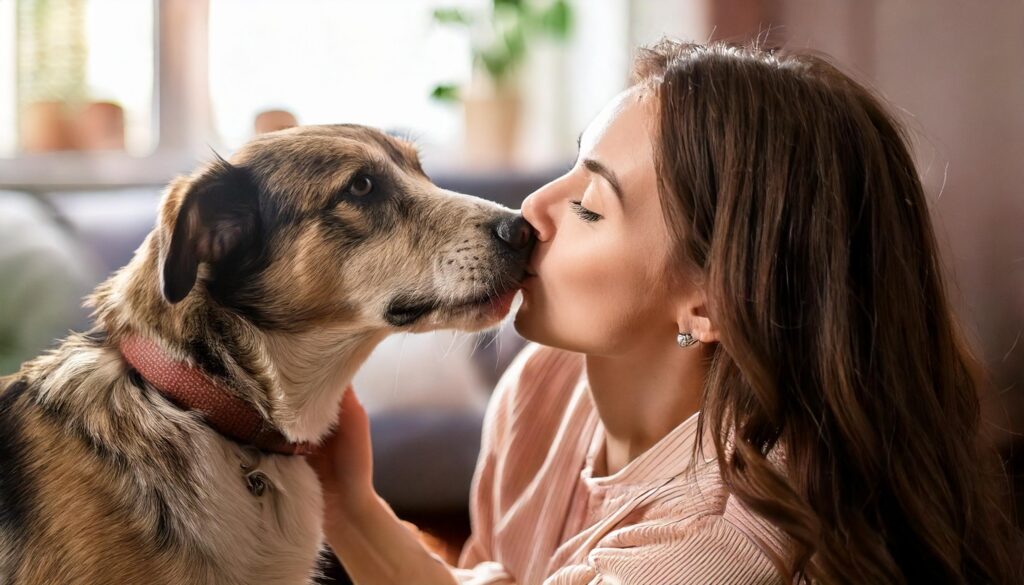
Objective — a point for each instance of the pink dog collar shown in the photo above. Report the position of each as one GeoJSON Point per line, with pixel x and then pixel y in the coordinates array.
{"type": "Point", "coordinates": [191, 389]}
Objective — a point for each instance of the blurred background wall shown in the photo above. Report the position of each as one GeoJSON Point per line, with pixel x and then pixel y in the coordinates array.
{"type": "Point", "coordinates": [104, 101]}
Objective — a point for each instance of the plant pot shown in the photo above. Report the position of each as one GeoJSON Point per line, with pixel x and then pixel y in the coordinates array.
{"type": "Point", "coordinates": [100, 126]}
{"type": "Point", "coordinates": [274, 120]}
{"type": "Point", "coordinates": [492, 128]}
{"type": "Point", "coordinates": [45, 127]}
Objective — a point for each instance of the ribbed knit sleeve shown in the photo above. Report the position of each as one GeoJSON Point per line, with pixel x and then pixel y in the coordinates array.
{"type": "Point", "coordinates": [709, 550]}
{"type": "Point", "coordinates": [476, 559]}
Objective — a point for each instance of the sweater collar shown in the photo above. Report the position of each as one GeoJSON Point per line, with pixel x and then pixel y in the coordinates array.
{"type": "Point", "coordinates": [671, 456]}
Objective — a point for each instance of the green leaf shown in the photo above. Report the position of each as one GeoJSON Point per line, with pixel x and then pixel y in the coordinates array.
{"type": "Point", "coordinates": [452, 16]}
{"type": "Point", "coordinates": [497, 61]}
{"type": "Point", "coordinates": [515, 44]}
{"type": "Point", "coordinates": [445, 92]}
{"type": "Point", "coordinates": [557, 19]}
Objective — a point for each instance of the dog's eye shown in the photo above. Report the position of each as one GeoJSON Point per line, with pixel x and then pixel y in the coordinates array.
{"type": "Point", "coordinates": [361, 186]}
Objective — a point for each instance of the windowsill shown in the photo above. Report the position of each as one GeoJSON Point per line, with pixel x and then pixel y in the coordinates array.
{"type": "Point", "coordinates": [92, 170]}
{"type": "Point", "coordinates": [71, 170]}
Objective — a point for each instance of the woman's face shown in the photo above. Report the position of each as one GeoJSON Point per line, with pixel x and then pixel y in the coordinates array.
{"type": "Point", "coordinates": [601, 259]}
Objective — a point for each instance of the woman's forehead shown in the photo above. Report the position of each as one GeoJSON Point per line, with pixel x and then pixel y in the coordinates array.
{"type": "Point", "coordinates": [621, 122]}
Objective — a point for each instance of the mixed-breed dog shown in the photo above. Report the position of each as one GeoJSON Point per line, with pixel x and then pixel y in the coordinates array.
{"type": "Point", "coordinates": [164, 445]}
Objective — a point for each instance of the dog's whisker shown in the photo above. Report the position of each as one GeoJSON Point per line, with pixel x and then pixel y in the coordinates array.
{"type": "Point", "coordinates": [451, 345]}
{"type": "Point", "coordinates": [398, 366]}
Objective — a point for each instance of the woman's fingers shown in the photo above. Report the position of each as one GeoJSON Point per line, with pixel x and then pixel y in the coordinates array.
{"type": "Point", "coordinates": [344, 461]}
{"type": "Point", "coordinates": [351, 412]}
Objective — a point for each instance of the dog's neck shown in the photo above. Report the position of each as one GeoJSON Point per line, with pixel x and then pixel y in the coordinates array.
{"type": "Point", "coordinates": [311, 371]}
{"type": "Point", "coordinates": [294, 379]}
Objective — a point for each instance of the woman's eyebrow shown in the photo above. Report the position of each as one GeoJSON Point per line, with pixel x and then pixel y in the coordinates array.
{"type": "Point", "coordinates": [598, 168]}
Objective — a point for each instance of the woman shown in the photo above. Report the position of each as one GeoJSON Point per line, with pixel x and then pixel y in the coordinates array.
{"type": "Point", "coordinates": [758, 376]}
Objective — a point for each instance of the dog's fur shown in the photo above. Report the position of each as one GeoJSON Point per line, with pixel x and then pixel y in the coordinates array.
{"type": "Point", "coordinates": [277, 277]}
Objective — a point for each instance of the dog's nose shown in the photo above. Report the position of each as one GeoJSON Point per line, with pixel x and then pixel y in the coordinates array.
{"type": "Point", "coordinates": [516, 233]}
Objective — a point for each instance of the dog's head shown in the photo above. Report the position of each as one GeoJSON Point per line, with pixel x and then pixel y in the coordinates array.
{"type": "Point", "coordinates": [324, 224]}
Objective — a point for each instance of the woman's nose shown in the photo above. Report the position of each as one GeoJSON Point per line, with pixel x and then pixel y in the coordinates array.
{"type": "Point", "coordinates": [536, 209]}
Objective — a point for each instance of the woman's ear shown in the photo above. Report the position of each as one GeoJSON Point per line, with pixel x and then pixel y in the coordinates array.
{"type": "Point", "coordinates": [693, 317]}
{"type": "Point", "coordinates": [208, 218]}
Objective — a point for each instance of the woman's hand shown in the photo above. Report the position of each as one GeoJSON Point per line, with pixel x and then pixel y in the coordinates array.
{"type": "Point", "coordinates": [344, 461]}
{"type": "Point", "coordinates": [375, 547]}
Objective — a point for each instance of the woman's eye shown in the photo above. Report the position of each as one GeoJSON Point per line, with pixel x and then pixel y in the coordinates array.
{"type": "Point", "coordinates": [584, 213]}
{"type": "Point", "coordinates": [360, 187]}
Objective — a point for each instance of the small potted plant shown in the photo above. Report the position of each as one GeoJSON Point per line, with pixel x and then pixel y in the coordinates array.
{"type": "Point", "coordinates": [499, 41]}
{"type": "Point", "coordinates": [51, 44]}
{"type": "Point", "coordinates": [56, 111]}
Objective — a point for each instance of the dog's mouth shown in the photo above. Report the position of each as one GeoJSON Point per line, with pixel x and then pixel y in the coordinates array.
{"type": "Point", "coordinates": [404, 311]}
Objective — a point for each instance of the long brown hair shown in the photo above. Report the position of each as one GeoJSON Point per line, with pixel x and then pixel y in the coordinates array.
{"type": "Point", "coordinates": [790, 190]}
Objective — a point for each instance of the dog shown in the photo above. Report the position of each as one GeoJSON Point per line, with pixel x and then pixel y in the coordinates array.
{"type": "Point", "coordinates": [164, 445]}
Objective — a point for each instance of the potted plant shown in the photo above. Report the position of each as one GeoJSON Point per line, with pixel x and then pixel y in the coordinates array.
{"type": "Point", "coordinates": [56, 111]}
{"type": "Point", "coordinates": [499, 41]}
{"type": "Point", "coordinates": [52, 70]}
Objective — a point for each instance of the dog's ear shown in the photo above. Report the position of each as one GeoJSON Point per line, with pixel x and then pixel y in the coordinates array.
{"type": "Point", "coordinates": [218, 217]}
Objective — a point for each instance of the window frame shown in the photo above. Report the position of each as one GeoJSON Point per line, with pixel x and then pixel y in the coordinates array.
{"type": "Point", "coordinates": [182, 118]}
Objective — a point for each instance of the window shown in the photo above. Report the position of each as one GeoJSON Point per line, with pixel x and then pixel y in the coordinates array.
{"type": "Point", "coordinates": [372, 63]}
{"type": "Point", "coordinates": [185, 76]}
{"type": "Point", "coordinates": [76, 75]}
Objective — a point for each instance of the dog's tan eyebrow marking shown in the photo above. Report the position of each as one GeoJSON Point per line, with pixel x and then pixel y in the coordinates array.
{"type": "Point", "coordinates": [398, 154]}
{"type": "Point", "coordinates": [598, 168]}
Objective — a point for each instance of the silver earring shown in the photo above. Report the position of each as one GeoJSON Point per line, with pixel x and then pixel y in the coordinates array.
{"type": "Point", "coordinates": [686, 340]}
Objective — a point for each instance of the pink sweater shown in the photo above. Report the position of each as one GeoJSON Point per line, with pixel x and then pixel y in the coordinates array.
{"type": "Point", "coordinates": [540, 515]}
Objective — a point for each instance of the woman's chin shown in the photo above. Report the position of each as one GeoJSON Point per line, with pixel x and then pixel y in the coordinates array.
{"type": "Point", "coordinates": [531, 325]}
{"type": "Point", "coordinates": [534, 323]}
{"type": "Point", "coordinates": [524, 322]}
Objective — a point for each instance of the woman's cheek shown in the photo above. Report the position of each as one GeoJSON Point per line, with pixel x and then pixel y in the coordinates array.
{"type": "Point", "coordinates": [589, 279]}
